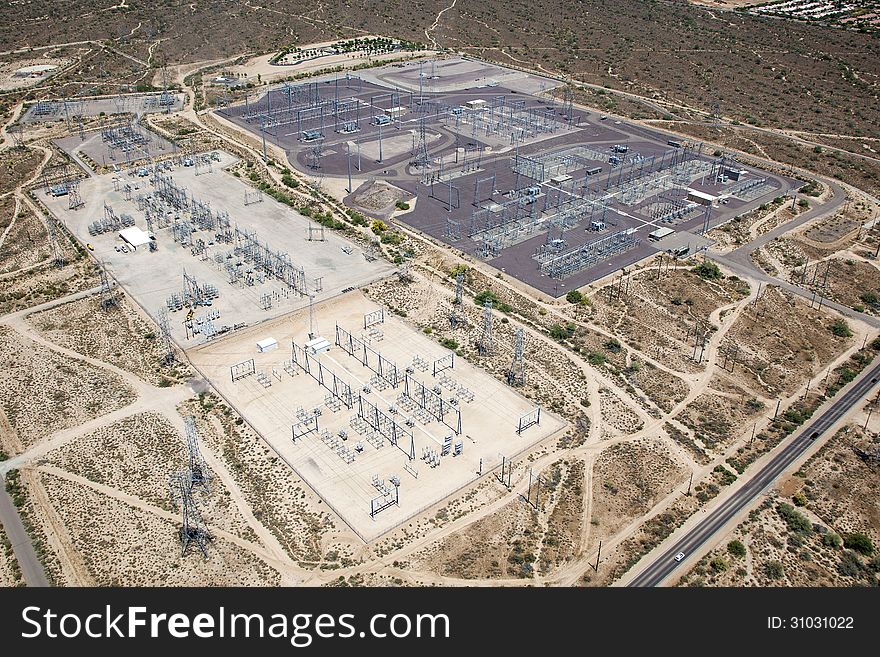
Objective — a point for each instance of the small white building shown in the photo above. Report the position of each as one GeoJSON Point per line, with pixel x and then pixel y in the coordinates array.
{"type": "Point", "coordinates": [317, 346]}
{"type": "Point", "coordinates": [660, 233]}
{"type": "Point", "coordinates": [700, 197]}
{"type": "Point", "coordinates": [134, 236]}
{"type": "Point", "coordinates": [267, 344]}
{"type": "Point", "coordinates": [477, 103]}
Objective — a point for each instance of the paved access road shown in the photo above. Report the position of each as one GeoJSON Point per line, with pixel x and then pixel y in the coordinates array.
{"type": "Point", "coordinates": [30, 565]}
{"type": "Point", "coordinates": [665, 564]}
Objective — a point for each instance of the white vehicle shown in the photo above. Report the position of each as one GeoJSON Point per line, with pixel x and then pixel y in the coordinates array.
{"type": "Point", "coordinates": [679, 556]}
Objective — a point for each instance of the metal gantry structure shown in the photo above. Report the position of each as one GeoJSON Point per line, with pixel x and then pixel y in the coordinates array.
{"type": "Point", "coordinates": [567, 263]}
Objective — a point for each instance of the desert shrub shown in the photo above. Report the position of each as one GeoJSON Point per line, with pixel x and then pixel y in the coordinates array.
{"type": "Point", "coordinates": [613, 346]}
{"type": "Point", "coordinates": [795, 520]}
{"type": "Point", "coordinates": [859, 542]}
{"type": "Point", "coordinates": [391, 238]}
{"type": "Point", "coordinates": [737, 549]}
{"type": "Point", "coordinates": [841, 329]}
{"type": "Point", "coordinates": [774, 569]}
{"type": "Point", "coordinates": [708, 270]}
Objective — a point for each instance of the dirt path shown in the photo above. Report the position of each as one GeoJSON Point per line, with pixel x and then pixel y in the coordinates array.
{"type": "Point", "coordinates": [266, 537]}
{"type": "Point", "coordinates": [137, 503]}
{"type": "Point", "coordinates": [163, 400]}
{"type": "Point", "coordinates": [436, 22]}
{"type": "Point", "coordinates": [11, 223]}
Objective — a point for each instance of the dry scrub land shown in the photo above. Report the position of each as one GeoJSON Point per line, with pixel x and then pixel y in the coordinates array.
{"type": "Point", "coordinates": [809, 533]}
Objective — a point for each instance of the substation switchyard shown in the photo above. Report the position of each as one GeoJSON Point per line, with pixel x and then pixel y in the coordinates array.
{"type": "Point", "coordinates": [553, 195]}
{"type": "Point", "coordinates": [379, 419]}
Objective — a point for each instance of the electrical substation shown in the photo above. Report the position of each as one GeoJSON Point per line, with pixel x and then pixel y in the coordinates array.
{"type": "Point", "coordinates": [553, 195]}
{"type": "Point", "coordinates": [380, 419]}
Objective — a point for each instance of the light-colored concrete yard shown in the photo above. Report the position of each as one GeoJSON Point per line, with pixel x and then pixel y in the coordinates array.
{"type": "Point", "coordinates": [489, 421]}
{"type": "Point", "coordinates": [151, 277]}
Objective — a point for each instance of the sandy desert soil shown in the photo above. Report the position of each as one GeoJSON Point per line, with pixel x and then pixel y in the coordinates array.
{"type": "Point", "coordinates": [119, 335]}
{"type": "Point", "coordinates": [780, 342]}
{"type": "Point", "coordinates": [143, 549]}
{"type": "Point", "coordinates": [281, 501]}
{"type": "Point", "coordinates": [628, 479]}
{"type": "Point", "coordinates": [800, 536]}
{"type": "Point", "coordinates": [25, 243]}
{"type": "Point", "coordinates": [503, 544]}
{"type": "Point", "coordinates": [43, 391]}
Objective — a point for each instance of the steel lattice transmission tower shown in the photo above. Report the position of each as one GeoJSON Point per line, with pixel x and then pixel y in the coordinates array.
{"type": "Point", "coordinates": [15, 133]}
{"type": "Point", "coordinates": [193, 529]}
{"type": "Point", "coordinates": [486, 345]}
{"type": "Point", "coordinates": [108, 298]}
{"type": "Point", "coordinates": [165, 327]}
{"type": "Point", "coordinates": [199, 475]}
{"type": "Point", "coordinates": [421, 159]}
{"type": "Point", "coordinates": [568, 107]}
{"type": "Point", "coordinates": [54, 245]}
{"type": "Point", "coordinates": [75, 201]}
{"type": "Point", "coordinates": [456, 317]}
{"type": "Point", "coordinates": [516, 375]}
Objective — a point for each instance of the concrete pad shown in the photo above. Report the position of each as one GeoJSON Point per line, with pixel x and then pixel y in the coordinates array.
{"type": "Point", "coordinates": [489, 422]}
{"type": "Point", "coordinates": [151, 277]}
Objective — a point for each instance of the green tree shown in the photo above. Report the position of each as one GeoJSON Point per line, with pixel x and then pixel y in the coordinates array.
{"type": "Point", "coordinates": [737, 549]}
{"type": "Point", "coordinates": [574, 297]}
{"type": "Point", "coordinates": [708, 270]}
{"type": "Point", "coordinates": [486, 295]}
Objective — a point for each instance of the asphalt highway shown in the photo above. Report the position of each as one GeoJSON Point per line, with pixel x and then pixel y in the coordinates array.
{"type": "Point", "coordinates": [665, 564]}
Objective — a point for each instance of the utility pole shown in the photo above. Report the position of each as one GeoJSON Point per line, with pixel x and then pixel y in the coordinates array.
{"type": "Point", "coordinates": [380, 142]}
{"type": "Point", "coordinates": [871, 406]}
{"type": "Point", "coordinates": [689, 484]}
{"type": "Point", "coordinates": [348, 147]}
